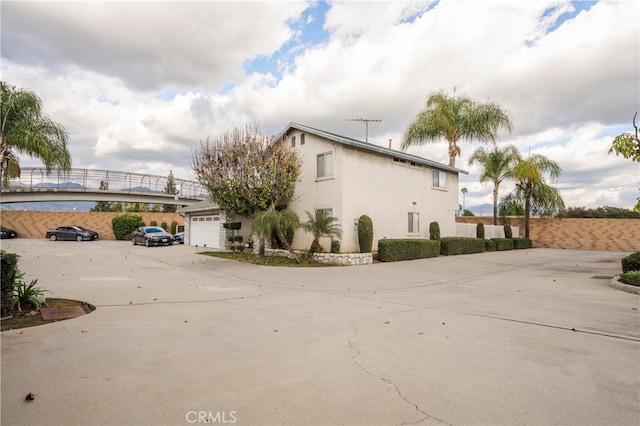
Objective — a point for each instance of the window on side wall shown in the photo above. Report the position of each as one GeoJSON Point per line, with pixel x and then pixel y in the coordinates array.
{"type": "Point", "coordinates": [439, 179]}
{"type": "Point", "coordinates": [293, 141]}
{"type": "Point", "coordinates": [328, 212]}
{"type": "Point", "coordinates": [302, 139]}
{"type": "Point", "coordinates": [325, 164]}
{"type": "Point", "coordinates": [414, 223]}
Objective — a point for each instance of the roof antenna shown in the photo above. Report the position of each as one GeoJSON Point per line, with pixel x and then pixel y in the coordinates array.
{"type": "Point", "coordinates": [366, 125]}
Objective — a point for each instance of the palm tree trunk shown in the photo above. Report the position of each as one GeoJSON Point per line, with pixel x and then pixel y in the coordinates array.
{"type": "Point", "coordinates": [285, 244]}
{"type": "Point", "coordinates": [314, 246]}
{"type": "Point", "coordinates": [527, 207]}
{"type": "Point", "coordinates": [495, 204]}
{"type": "Point", "coordinates": [261, 250]}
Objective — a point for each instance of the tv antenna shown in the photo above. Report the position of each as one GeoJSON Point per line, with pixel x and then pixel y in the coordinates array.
{"type": "Point", "coordinates": [366, 122]}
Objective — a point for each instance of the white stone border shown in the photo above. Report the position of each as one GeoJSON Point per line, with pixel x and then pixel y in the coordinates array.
{"type": "Point", "coordinates": [622, 286]}
{"type": "Point", "coordinates": [344, 259]}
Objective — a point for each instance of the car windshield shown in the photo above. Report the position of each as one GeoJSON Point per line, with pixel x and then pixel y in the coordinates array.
{"type": "Point", "coordinates": [152, 230]}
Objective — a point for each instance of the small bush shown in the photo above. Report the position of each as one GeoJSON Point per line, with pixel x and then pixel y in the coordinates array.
{"type": "Point", "coordinates": [434, 231]}
{"type": "Point", "coordinates": [27, 294]}
{"type": "Point", "coordinates": [335, 246]}
{"type": "Point", "coordinates": [153, 223]}
{"type": "Point", "coordinates": [124, 225]}
{"type": "Point", "coordinates": [8, 270]}
{"type": "Point", "coordinates": [391, 250]}
{"type": "Point", "coordinates": [163, 225]}
{"type": "Point", "coordinates": [174, 227]}
{"type": "Point", "coordinates": [480, 231]}
{"type": "Point", "coordinates": [522, 243]}
{"type": "Point", "coordinates": [631, 278]}
{"type": "Point", "coordinates": [460, 245]}
{"type": "Point", "coordinates": [365, 233]}
{"type": "Point", "coordinates": [503, 243]}
{"type": "Point", "coordinates": [508, 232]}
{"type": "Point", "coordinates": [631, 262]}
{"type": "Point", "coordinates": [489, 245]}
{"type": "Point", "coordinates": [232, 226]}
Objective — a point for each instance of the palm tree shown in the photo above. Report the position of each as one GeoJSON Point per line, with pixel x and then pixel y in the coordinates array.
{"type": "Point", "coordinates": [321, 225]}
{"type": "Point", "coordinates": [497, 164]}
{"type": "Point", "coordinates": [453, 118]}
{"type": "Point", "coordinates": [24, 129]}
{"type": "Point", "coordinates": [531, 189]}
{"type": "Point", "coordinates": [271, 220]}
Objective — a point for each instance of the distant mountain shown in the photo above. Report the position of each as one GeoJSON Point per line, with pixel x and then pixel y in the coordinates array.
{"type": "Point", "coordinates": [50, 185]}
{"type": "Point", "coordinates": [46, 206]}
{"type": "Point", "coordinates": [482, 210]}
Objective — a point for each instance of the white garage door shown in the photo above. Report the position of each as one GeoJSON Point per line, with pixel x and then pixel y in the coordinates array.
{"type": "Point", "coordinates": [205, 230]}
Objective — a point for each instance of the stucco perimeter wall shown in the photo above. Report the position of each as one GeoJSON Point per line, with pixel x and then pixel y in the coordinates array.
{"type": "Point", "coordinates": [576, 234]}
{"type": "Point", "coordinates": [32, 224]}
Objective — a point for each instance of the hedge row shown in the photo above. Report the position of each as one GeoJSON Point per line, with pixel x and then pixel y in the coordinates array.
{"type": "Point", "coordinates": [631, 262]}
{"type": "Point", "coordinates": [391, 250]}
{"type": "Point", "coordinates": [8, 270]}
{"type": "Point", "coordinates": [460, 245]}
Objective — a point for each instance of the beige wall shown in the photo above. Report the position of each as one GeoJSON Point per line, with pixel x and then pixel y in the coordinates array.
{"type": "Point", "coordinates": [578, 234]}
{"type": "Point", "coordinates": [371, 184]}
{"type": "Point", "coordinates": [32, 224]}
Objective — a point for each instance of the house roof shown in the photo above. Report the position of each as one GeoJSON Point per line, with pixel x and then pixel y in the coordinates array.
{"type": "Point", "coordinates": [354, 143]}
{"type": "Point", "coordinates": [200, 206]}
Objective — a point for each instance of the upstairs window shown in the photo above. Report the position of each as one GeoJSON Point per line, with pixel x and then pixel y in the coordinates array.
{"type": "Point", "coordinates": [302, 139]}
{"type": "Point", "coordinates": [293, 141]}
{"type": "Point", "coordinates": [325, 164]}
{"type": "Point", "coordinates": [414, 223]}
{"type": "Point", "coordinates": [439, 179]}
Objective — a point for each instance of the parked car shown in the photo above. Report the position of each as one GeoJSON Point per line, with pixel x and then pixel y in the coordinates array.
{"type": "Point", "coordinates": [179, 237]}
{"type": "Point", "coordinates": [151, 236]}
{"type": "Point", "coordinates": [71, 232]}
{"type": "Point", "coordinates": [7, 233]}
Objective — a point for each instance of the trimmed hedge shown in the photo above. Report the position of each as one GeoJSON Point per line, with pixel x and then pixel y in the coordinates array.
{"type": "Point", "coordinates": [631, 278]}
{"type": "Point", "coordinates": [522, 243]}
{"type": "Point", "coordinates": [124, 225]}
{"type": "Point", "coordinates": [460, 245]}
{"type": "Point", "coordinates": [8, 270]}
{"type": "Point", "coordinates": [503, 244]}
{"type": "Point", "coordinates": [508, 232]}
{"type": "Point", "coordinates": [631, 262]}
{"type": "Point", "coordinates": [434, 231]}
{"type": "Point", "coordinates": [391, 250]}
{"type": "Point", "coordinates": [480, 231]}
{"type": "Point", "coordinates": [365, 234]}
{"type": "Point", "coordinates": [489, 245]}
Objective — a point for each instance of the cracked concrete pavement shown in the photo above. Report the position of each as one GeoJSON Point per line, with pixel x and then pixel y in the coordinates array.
{"type": "Point", "coordinates": [524, 337]}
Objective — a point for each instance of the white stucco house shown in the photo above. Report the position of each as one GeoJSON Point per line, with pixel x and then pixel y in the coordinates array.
{"type": "Point", "coordinates": [402, 193]}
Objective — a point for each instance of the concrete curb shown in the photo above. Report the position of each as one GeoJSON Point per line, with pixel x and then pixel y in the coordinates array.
{"type": "Point", "coordinates": [622, 286]}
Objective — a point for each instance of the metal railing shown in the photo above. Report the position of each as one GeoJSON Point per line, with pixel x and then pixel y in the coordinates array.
{"type": "Point", "coordinates": [36, 179]}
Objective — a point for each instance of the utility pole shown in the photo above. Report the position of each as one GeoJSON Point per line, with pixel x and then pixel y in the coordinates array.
{"type": "Point", "coordinates": [366, 125]}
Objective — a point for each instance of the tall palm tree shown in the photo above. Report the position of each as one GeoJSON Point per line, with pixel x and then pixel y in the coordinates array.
{"type": "Point", "coordinates": [321, 225]}
{"type": "Point", "coordinates": [271, 220]}
{"type": "Point", "coordinates": [454, 118]}
{"type": "Point", "coordinates": [24, 129]}
{"type": "Point", "coordinates": [497, 164]}
{"type": "Point", "coordinates": [531, 189]}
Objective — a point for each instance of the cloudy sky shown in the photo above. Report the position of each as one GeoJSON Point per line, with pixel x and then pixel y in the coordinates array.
{"type": "Point", "coordinates": [139, 84]}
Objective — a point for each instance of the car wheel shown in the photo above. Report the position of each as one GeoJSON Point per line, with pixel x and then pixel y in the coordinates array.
{"type": "Point", "coordinates": [79, 238]}
{"type": "Point", "coordinates": [133, 241]}
{"type": "Point", "coordinates": [53, 237]}
{"type": "Point", "coordinates": [146, 243]}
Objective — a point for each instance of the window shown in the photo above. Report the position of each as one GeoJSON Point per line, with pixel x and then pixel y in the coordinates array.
{"type": "Point", "coordinates": [439, 179]}
{"type": "Point", "coordinates": [293, 141]}
{"type": "Point", "coordinates": [325, 164]}
{"type": "Point", "coordinates": [302, 139]}
{"type": "Point", "coordinates": [414, 223]}
{"type": "Point", "coordinates": [328, 212]}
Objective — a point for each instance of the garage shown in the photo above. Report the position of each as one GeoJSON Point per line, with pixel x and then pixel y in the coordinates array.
{"type": "Point", "coordinates": [204, 230]}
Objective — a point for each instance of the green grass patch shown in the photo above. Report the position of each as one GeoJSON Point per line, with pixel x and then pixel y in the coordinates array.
{"type": "Point", "coordinates": [631, 278]}
{"type": "Point", "coordinates": [257, 260]}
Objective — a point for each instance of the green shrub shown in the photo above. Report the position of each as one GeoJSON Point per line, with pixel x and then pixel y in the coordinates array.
{"type": "Point", "coordinates": [124, 225]}
{"type": "Point", "coordinates": [434, 231]}
{"type": "Point", "coordinates": [365, 233]}
{"type": "Point", "coordinates": [163, 225]}
{"type": "Point", "coordinates": [391, 250]}
{"type": "Point", "coordinates": [232, 226]}
{"type": "Point", "coordinates": [335, 246]}
{"type": "Point", "coordinates": [508, 232]}
{"type": "Point", "coordinates": [522, 243]}
{"type": "Point", "coordinates": [153, 223]}
{"type": "Point", "coordinates": [503, 243]}
{"type": "Point", "coordinates": [460, 245]}
{"type": "Point", "coordinates": [27, 294]}
{"type": "Point", "coordinates": [489, 245]}
{"type": "Point", "coordinates": [480, 231]}
{"type": "Point", "coordinates": [631, 262]}
{"type": "Point", "coordinates": [8, 270]}
{"type": "Point", "coordinates": [174, 227]}
{"type": "Point", "coordinates": [631, 278]}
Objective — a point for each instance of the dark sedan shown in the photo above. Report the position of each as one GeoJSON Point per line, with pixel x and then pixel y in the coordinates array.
{"type": "Point", "coordinates": [152, 236]}
{"type": "Point", "coordinates": [7, 233]}
{"type": "Point", "coordinates": [71, 232]}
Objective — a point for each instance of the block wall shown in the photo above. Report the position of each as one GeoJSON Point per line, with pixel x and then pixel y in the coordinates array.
{"type": "Point", "coordinates": [573, 233]}
{"type": "Point", "coordinates": [32, 224]}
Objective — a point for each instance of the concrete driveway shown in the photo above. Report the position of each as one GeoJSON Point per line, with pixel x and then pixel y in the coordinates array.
{"type": "Point", "coordinates": [524, 337]}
